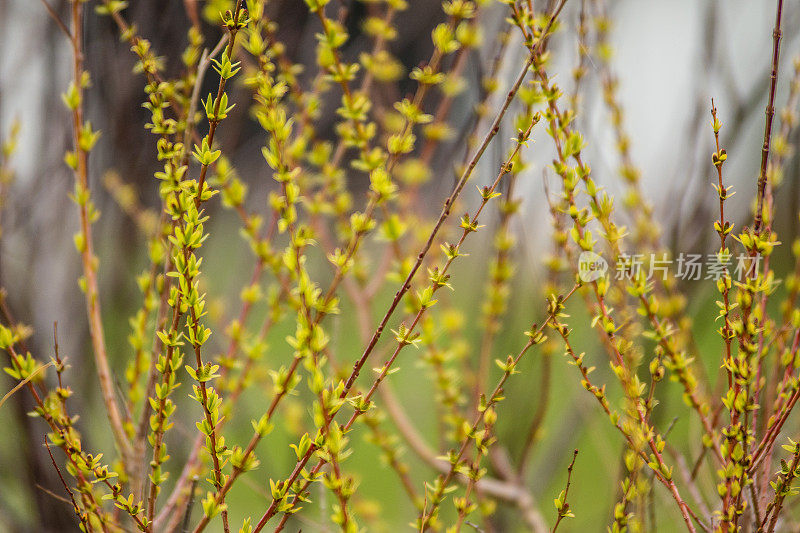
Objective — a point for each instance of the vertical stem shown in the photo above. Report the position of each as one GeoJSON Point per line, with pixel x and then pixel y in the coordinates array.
{"type": "Point", "coordinates": [87, 253]}
{"type": "Point", "coordinates": [770, 112]}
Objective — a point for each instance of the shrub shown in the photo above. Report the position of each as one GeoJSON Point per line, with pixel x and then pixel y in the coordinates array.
{"type": "Point", "coordinates": [389, 268]}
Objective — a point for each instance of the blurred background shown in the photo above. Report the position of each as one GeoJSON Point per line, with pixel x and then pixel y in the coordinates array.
{"type": "Point", "coordinates": [671, 58]}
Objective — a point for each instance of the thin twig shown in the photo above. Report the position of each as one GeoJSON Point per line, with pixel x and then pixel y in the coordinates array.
{"type": "Point", "coordinates": [75, 507]}
{"type": "Point", "coordinates": [57, 19]}
{"type": "Point", "coordinates": [770, 112]}
{"type": "Point", "coordinates": [564, 508]}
